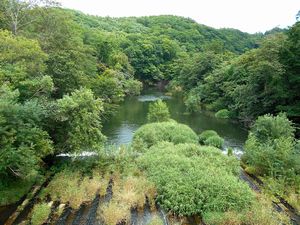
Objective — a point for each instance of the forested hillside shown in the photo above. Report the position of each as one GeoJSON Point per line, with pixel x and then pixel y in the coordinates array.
{"type": "Point", "coordinates": [63, 72]}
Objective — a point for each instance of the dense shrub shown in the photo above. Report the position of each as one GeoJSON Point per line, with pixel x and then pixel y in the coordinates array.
{"type": "Point", "coordinates": [206, 134]}
{"type": "Point", "coordinates": [133, 87]}
{"type": "Point", "coordinates": [158, 112]}
{"type": "Point", "coordinates": [211, 138]}
{"type": "Point", "coordinates": [193, 179]}
{"type": "Point", "coordinates": [151, 134]}
{"type": "Point", "coordinates": [222, 114]}
{"type": "Point", "coordinates": [215, 141]}
{"type": "Point", "coordinates": [271, 148]}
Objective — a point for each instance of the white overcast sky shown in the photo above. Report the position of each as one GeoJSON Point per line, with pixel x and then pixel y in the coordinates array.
{"type": "Point", "coordinates": [247, 15]}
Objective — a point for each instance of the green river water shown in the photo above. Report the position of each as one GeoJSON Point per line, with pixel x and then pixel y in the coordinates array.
{"type": "Point", "coordinates": [132, 113]}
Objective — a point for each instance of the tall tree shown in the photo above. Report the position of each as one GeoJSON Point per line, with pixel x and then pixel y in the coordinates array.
{"type": "Point", "coordinates": [78, 125]}
{"type": "Point", "coordinates": [290, 58]}
{"type": "Point", "coordinates": [18, 12]}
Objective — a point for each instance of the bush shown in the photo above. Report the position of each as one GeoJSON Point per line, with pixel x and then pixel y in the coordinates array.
{"type": "Point", "coordinates": [193, 179]}
{"type": "Point", "coordinates": [215, 141]}
{"type": "Point", "coordinates": [211, 138]}
{"type": "Point", "coordinates": [192, 101]}
{"type": "Point", "coordinates": [222, 114]}
{"type": "Point", "coordinates": [270, 148]}
{"type": "Point", "coordinates": [158, 112]}
{"type": "Point", "coordinates": [40, 214]}
{"type": "Point", "coordinates": [153, 133]}
{"type": "Point", "coordinates": [133, 87]}
{"type": "Point", "coordinates": [206, 134]}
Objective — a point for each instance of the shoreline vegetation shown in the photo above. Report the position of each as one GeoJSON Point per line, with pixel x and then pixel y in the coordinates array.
{"type": "Point", "coordinates": [149, 174]}
{"type": "Point", "coordinates": [62, 73]}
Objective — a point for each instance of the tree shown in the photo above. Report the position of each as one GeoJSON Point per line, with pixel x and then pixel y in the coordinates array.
{"type": "Point", "coordinates": [18, 12]}
{"type": "Point", "coordinates": [77, 122]}
{"type": "Point", "coordinates": [290, 58]}
{"type": "Point", "coordinates": [271, 148]}
{"type": "Point", "coordinates": [250, 85]}
{"type": "Point", "coordinates": [158, 112]}
{"type": "Point", "coordinates": [23, 142]}
{"type": "Point", "coordinates": [70, 69]}
{"type": "Point", "coordinates": [22, 66]}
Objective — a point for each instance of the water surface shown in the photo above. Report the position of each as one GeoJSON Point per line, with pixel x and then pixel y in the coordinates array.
{"type": "Point", "coordinates": [132, 113]}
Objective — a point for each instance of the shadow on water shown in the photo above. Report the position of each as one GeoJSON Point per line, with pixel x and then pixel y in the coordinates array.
{"type": "Point", "coordinates": [132, 113]}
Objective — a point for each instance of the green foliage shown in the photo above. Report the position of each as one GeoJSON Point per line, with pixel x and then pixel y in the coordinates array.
{"type": "Point", "coordinates": [211, 138]}
{"type": "Point", "coordinates": [78, 122]}
{"type": "Point", "coordinates": [70, 70]}
{"type": "Point", "coordinates": [158, 112]}
{"type": "Point", "coordinates": [23, 143]}
{"type": "Point", "coordinates": [222, 114]}
{"type": "Point", "coordinates": [22, 66]}
{"type": "Point", "coordinates": [153, 133]}
{"type": "Point", "coordinates": [133, 87]}
{"type": "Point", "coordinates": [22, 53]}
{"type": "Point", "coordinates": [12, 191]}
{"type": "Point", "coordinates": [192, 101]}
{"type": "Point", "coordinates": [108, 86]}
{"type": "Point", "coordinates": [230, 151]}
{"type": "Point", "coordinates": [289, 57]}
{"type": "Point", "coordinates": [40, 213]}
{"type": "Point", "coordinates": [250, 85]}
{"type": "Point", "coordinates": [193, 179]}
{"type": "Point", "coordinates": [270, 148]}
{"type": "Point", "coordinates": [215, 141]}
{"type": "Point", "coordinates": [207, 134]}
{"type": "Point", "coordinates": [261, 212]}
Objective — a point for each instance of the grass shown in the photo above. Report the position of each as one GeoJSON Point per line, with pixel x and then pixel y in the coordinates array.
{"type": "Point", "coordinates": [114, 213]}
{"type": "Point", "coordinates": [128, 192]}
{"type": "Point", "coordinates": [40, 213]}
{"type": "Point", "coordinates": [68, 186]}
{"type": "Point", "coordinates": [291, 193]}
{"type": "Point", "coordinates": [293, 198]}
{"type": "Point", "coordinates": [156, 220]}
{"type": "Point", "coordinates": [261, 212]}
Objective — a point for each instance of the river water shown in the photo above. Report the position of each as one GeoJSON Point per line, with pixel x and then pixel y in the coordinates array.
{"type": "Point", "coordinates": [132, 113]}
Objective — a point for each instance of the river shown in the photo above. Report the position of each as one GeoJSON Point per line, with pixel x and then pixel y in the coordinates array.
{"type": "Point", "coordinates": [132, 114]}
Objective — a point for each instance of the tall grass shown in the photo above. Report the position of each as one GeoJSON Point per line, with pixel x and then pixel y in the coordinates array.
{"type": "Point", "coordinates": [72, 187]}
{"type": "Point", "coordinates": [128, 192]}
{"type": "Point", "coordinates": [261, 212]}
{"type": "Point", "coordinates": [40, 213]}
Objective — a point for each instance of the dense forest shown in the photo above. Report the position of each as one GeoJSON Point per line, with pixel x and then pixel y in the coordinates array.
{"type": "Point", "coordinates": [62, 73]}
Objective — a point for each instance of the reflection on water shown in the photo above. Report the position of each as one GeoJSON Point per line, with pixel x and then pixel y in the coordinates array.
{"type": "Point", "coordinates": [132, 113]}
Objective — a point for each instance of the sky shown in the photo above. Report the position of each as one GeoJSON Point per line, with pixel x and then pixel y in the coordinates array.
{"type": "Point", "coordinates": [246, 15]}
